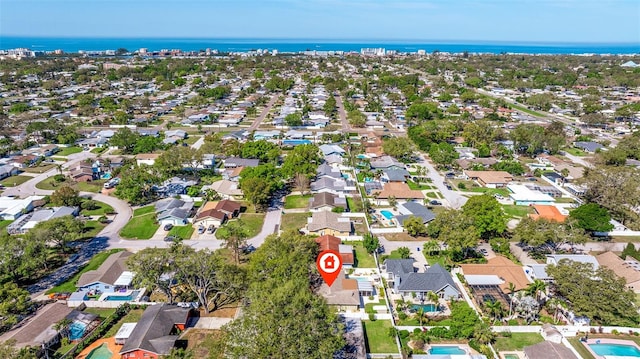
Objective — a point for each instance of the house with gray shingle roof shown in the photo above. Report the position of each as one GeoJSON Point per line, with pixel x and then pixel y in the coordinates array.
{"type": "Point", "coordinates": [395, 175]}
{"type": "Point", "coordinates": [155, 334]}
{"type": "Point", "coordinates": [402, 277]}
{"type": "Point", "coordinates": [415, 209]}
{"type": "Point", "coordinates": [589, 146]}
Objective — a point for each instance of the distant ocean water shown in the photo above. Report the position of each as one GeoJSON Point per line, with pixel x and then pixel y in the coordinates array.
{"type": "Point", "coordinates": [68, 44]}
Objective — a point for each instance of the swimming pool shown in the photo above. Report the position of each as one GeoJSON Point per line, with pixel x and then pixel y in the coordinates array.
{"type": "Point", "coordinates": [101, 352]}
{"type": "Point", "coordinates": [388, 215]}
{"type": "Point", "coordinates": [511, 356]}
{"type": "Point", "coordinates": [620, 350]}
{"type": "Point", "coordinates": [76, 330]}
{"type": "Point", "coordinates": [295, 142]}
{"type": "Point", "coordinates": [115, 296]}
{"type": "Point", "coordinates": [429, 308]}
{"type": "Point", "coordinates": [107, 176]}
{"type": "Point", "coordinates": [446, 349]}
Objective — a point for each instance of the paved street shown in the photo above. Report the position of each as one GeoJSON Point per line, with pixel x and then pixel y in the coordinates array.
{"type": "Point", "coordinates": [256, 123]}
{"type": "Point", "coordinates": [455, 199]}
{"type": "Point", "coordinates": [343, 114]}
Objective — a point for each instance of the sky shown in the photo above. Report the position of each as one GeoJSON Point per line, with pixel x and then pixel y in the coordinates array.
{"type": "Point", "coordinates": [586, 21]}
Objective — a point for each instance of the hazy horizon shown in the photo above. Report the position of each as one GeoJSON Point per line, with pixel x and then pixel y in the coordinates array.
{"type": "Point", "coordinates": [514, 21]}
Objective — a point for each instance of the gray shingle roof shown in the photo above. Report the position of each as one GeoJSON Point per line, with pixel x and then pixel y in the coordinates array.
{"type": "Point", "coordinates": [433, 279]}
{"type": "Point", "coordinates": [409, 209]}
{"type": "Point", "coordinates": [397, 175]}
{"type": "Point", "coordinates": [108, 271]}
{"type": "Point", "coordinates": [152, 333]}
{"type": "Point", "coordinates": [548, 350]}
{"type": "Point", "coordinates": [589, 145]}
{"type": "Point", "coordinates": [322, 220]}
{"type": "Point", "coordinates": [400, 266]}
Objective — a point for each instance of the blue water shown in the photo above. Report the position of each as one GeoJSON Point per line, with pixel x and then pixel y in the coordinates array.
{"type": "Point", "coordinates": [129, 297]}
{"type": "Point", "coordinates": [446, 350]}
{"type": "Point", "coordinates": [429, 308]}
{"type": "Point", "coordinates": [76, 330]}
{"type": "Point", "coordinates": [106, 176]}
{"type": "Point", "coordinates": [70, 44]}
{"type": "Point", "coordinates": [615, 350]}
{"type": "Point", "coordinates": [101, 352]}
{"type": "Point", "coordinates": [388, 215]}
{"type": "Point", "coordinates": [295, 142]}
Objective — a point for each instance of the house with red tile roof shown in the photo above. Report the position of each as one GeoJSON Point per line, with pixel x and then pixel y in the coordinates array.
{"type": "Point", "coordinates": [329, 242]}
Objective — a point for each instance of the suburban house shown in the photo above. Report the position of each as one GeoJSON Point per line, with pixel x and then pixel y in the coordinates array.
{"type": "Point", "coordinates": [550, 213]}
{"type": "Point", "coordinates": [490, 179]}
{"type": "Point", "coordinates": [415, 209]}
{"type": "Point", "coordinates": [325, 201]}
{"type": "Point", "coordinates": [8, 171]}
{"type": "Point", "coordinates": [398, 190]}
{"type": "Point", "coordinates": [233, 162]}
{"type": "Point", "coordinates": [12, 208]}
{"type": "Point", "coordinates": [328, 150]}
{"type": "Point", "coordinates": [323, 222]}
{"type": "Point", "coordinates": [498, 272]}
{"type": "Point", "coordinates": [82, 174]}
{"type": "Point", "coordinates": [156, 332]}
{"type": "Point", "coordinates": [395, 175]}
{"type": "Point", "coordinates": [628, 268]}
{"type": "Point", "coordinates": [386, 163]}
{"type": "Point", "coordinates": [225, 188]}
{"type": "Point", "coordinates": [343, 294]}
{"type": "Point", "coordinates": [548, 350]}
{"type": "Point", "coordinates": [555, 259]}
{"type": "Point", "coordinates": [230, 208]}
{"type": "Point", "coordinates": [209, 215]}
{"type": "Point", "coordinates": [326, 170]}
{"type": "Point", "coordinates": [333, 185]}
{"type": "Point", "coordinates": [110, 277]}
{"type": "Point", "coordinates": [588, 146]}
{"type": "Point", "coordinates": [146, 158]}
{"type": "Point", "coordinates": [524, 196]}
{"type": "Point", "coordinates": [329, 242]}
{"type": "Point", "coordinates": [403, 278]}
{"type": "Point", "coordinates": [173, 211]}
{"type": "Point", "coordinates": [27, 221]}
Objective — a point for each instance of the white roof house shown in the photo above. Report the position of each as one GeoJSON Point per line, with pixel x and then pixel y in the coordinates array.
{"type": "Point", "coordinates": [11, 208]}
{"type": "Point", "coordinates": [581, 258]}
{"type": "Point", "coordinates": [524, 196]}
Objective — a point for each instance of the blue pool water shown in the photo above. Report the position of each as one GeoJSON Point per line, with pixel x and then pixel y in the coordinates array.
{"type": "Point", "coordinates": [76, 330]}
{"type": "Point", "coordinates": [106, 176]}
{"type": "Point", "coordinates": [388, 215]}
{"type": "Point", "coordinates": [295, 142]}
{"type": "Point", "coordinates": [446, 350]}
{"type": "Point", "coordinates": [129, 297]}
{"type": "Point", "coordinates": [367, 179]}
{"type": "Point", "coordinates": [101, 352]}
{"type": "Point", "coordinates": [620, 350]}
{"type": "Point", "coordinates": [429, 308]}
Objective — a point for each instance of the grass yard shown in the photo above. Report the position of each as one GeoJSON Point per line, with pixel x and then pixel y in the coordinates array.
{"type": "Point", "coordinates": [575, 151]}
{"type": "Point", "coordinates": [191, 140]}
{"type": "Point", "coordinates": [517, 211]}
{"type": "Point", "coordinates": [363, 259]}
{"type": "Point", "coordinates": [294, 221]}
{"type": "Point", "coordinates": [102, 209]}
{"type": "Point", "coordinates": [433, 195]}
{"type": "Point", "coordinates": [140, 227]}
{"type": "Point", "coordinates": [517, 341]}
{"type": "Point", "coordinates": [132, 317]}
{"type": "Point", "coordinates": [565, 200]}
{"type": "Point", "coordinates": [94, 263]}
{"type": "Point", "coordinates": [421, 186]}
{"type": "Point", "coordinates": [377, 337]}
{"type": "Point", "coordinates": [98, 150]}
{"type": "Point", "coordinates": [4, 224]}
{"type": "Point", "coordinates": [579, 347]}
{"type": "Point", "coordinates": [14, 180]}
{"type": "Point", "coordinates": [252, 223]}
{"type": "Point", "coordinates": [491, 191]}
{"type": "Point", "coordinates": [296, 201]}
{"type": "Point", "coordinates": [101, 312]}
{"type": "Point", "coordinates": [354, 203]}
{"type": "Point", "coordinates": [92, 228]}
{"type": "Point", "coordinates": [183, 232]}
{"type": "Point", "coordinates": [369, 306]}
{"type": "Point", "coordinates": [40, 169]}
{"type": "Point", "coordinates": [93, 186]}
{"type": "Point", "coordinates": [51, 184]}
{"type": "Point", "coordinates": [66, 151]}
{"type": "Point", "coordinates": [526, 110]}
{"type": "Point", "coordinates": [433, 259]}
{"type": "Point", "coordinates": [143, 210]}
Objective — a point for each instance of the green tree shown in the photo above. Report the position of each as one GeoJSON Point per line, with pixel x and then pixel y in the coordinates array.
{"type": "Point", "coordinates": [414, 226]}
{"type": "Point", "coordinates": [370, 242]}
{"type": "Point", "coordinates": [136, 184]}
{"type": "Point", "coordinates": [125, 139]}
{"type": "Point", "coordinates": [14, 302]}
{"type": "Point", "coordinates": [598, 294]}
{"type": "Point", "coordinates": [456, 229]}
{"type": "Point", "coordinates": [65, 196]}
{"type": "Point", "coordinates": [293, 119]}
{"type": "Point", "coordinates": [303, 159]}
{"type": "Point", "coordinates": [548, 235]}
{"type": "Point", "coordinates": [153, 268]}
{"type": "Point", "coordinates": [614, 188]}
{"type": "Point", "coordinates": [356, 118]}
{"type": "Point", "coordinates": [443, 154]}
{"type": "Point", "coordinates": [263, 150]}
{"type": "Point", "coordinates": [235, 238]}
{"type": "Point", "coordinates": [592, 217]}
{"type": "Point", "coordinates": [399, 148]}
{"type": "Point", "coordinates": [488, 217]}
{"type": "Point", "coordinates": [404, 252]}
{"type": "Point", "coordinates": [60, 231]}
{"type": "Point", "coordinates": [463, 320]}
{"type": "Point", "coordinates": [8, 350]}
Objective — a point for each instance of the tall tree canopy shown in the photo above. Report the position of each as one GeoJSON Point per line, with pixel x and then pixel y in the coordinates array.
{"type": "Point", "coordinates": [487, 214]}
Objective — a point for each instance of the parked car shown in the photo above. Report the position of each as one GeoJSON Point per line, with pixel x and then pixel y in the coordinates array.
{"type": "Point", "coordinates": [168, 226]}
{"type": "Point", "coordinates": [433, 202]}
{"type": "Point", "coordinates": [201, 229]}
{"type": "Point", "coordinates": [172, 239]}
{"type": "Point", "coordinates": [211, 228]}
{"type": "Point", "coordinates": [249, 249]}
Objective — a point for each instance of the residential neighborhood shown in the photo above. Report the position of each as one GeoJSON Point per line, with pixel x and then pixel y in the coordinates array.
{"type": "Point", "coordinates": [163, 205]}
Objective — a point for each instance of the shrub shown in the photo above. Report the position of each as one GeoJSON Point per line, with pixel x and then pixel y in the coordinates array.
{"type": "Point", "coordinates": [418, 343]}
{"type": "Point", "coordinates": [462, 186]}
{"type": "Point", "coordinates": [89, 205]}
{"type": "Point", "coordinates": [507, 334]}
{"type": "Point", "coordinates": [372, 317]}
{"type": "Point", "coordinates": [404, 334]}
{"type": "Point", "coordinates": [59, 178]}
{"type": "Point", "coordinates": [370, 297]}
{"type": "Point", "coordinates": [402, 316]}
{"type": "Point", "coordinates": [615, 332]}
{"type": "Point", "coordinates": [103, 219]}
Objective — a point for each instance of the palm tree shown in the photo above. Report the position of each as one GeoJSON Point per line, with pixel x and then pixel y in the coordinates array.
{"type": "Point", "coordinates": [482, 333]}
{"type": "Point", "coordinates": [420, 315]}
{"type": "Point", "coordinates": [554, 304]}
{"type": "Point", "coordinates": [494, 307]}
{"type": "Point", "coordinates": [59, 168]}
{"type": "Point", "coordinates": [393, 202]}
{"type": "Point", "coordinates": [536, 288]}
{"type": "Point", "coordinates": [62, 326]}
{"type": "Point", "coordinates": [512, 289]}
{"type": "Point", "coordinates": [431, 246]}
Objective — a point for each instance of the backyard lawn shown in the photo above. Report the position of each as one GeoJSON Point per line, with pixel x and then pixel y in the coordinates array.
{"type": "Point", "coordinates": [94, 263]}
{"type": "Point", "coordinates": [517, 211]}
{"type": "Point", "coordinates": [183, 232]}
{"type": "Point", "coordinates": [294, 221]}
{"type": "Point", "coordinates": [140, 227]}
{"type": "Point", "coordinates": [92, 228]}
{"type": "Point", "coordinates": [491, 191]}
{"type": "Point", "coordinates": [14, 180]}
{"type": "Point", "coordinates": [369, 306]}
{"type": "Point", "coordinates": [575, 151]}
{"type": "Point", "coordinates": [517, 341]}
{"type": "Point", "coordinates": [102, 209]}
{"type": "Point", "coordinates": [143, 210]}
{"type": "Point", "coordinates": [363, 259]}
{"type": "Point", "coordinates": [296, 201]}
{"type": "Point", "coordinates": [132, 317]}
{"type": "Point", "coordinates": [66, 151]}
{"type": "Point", "coordinates": [377, 337]}
{"type": "Point", "coordinates": [44, 167]}
{"type": "Point", "coordinates": [421, 186]}
{"type": "Point", "coordinates": [4, 223]}
{"type": "Point", "coordinates": [579, 347]}
{"type": "Point", "coordinates": [354, 203]}
{"type": "Point", "coordinates": [93, 186]}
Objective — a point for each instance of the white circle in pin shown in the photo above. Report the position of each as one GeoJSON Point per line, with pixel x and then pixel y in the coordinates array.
{"type": "Point", "coordinates": [329, 263]}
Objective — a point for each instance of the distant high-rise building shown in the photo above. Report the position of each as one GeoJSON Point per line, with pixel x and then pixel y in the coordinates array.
{"type": "Point", "coordinates": [422, 52]}
{"type": "Point", "coordinates": [143, 51]}
{"type": "Point", "coordinates": [373, 51]}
